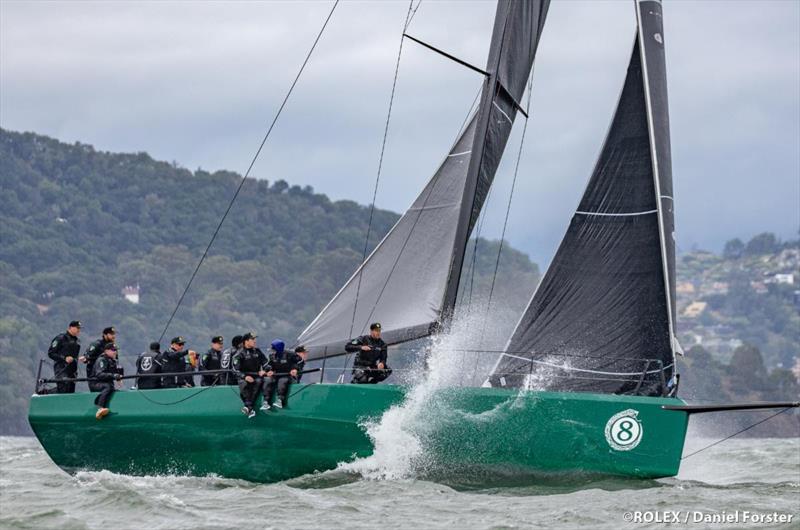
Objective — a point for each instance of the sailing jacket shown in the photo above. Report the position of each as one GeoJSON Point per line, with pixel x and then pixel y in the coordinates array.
{"type": "Point", "coordinates": [225, 364]}
{"type": "Point", "coordinates": [63, 346]}
{"type": "Point", "coordinates": [371, 358]}
{"type": "Point", "coordinates": [148, 362]}
{"type": "Point", "coordinates": [173, 361]}
{"type": "Point", "coordinates": [93, 352]}
{"type": "Point", "coordinates": [211, 360]}
{"type": "Point", "coordinates": [106, 369]}
{"type": "Point", "coordinates": [248, 360]}
{"type": "Point", "coordinates": [283, 363]}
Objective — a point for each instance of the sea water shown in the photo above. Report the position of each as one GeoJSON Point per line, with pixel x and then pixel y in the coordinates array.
{"type": "Point", "coordinates": [738, 482]}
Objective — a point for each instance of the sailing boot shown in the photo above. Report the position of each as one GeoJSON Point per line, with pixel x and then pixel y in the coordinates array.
{"type": "Point", "coordinates": [101, 413]}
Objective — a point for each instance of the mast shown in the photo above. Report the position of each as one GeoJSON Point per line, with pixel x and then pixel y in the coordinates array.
{"type": "Point", "coordinates": [602, 318]}
{"type": "Point", "coordinates": [518, 24]}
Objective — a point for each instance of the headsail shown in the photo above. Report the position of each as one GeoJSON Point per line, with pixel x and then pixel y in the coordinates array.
{"type": "Point", "coordinates": [410, 281]}
{"type": "Point", "coordinates": [603, 315]}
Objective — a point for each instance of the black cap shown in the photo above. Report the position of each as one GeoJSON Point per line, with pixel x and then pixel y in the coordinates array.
{"type": "Point", "coordinates": [75, 324]}
{"type": "Point", "coordinates": [374, 326]}
{"type": "Point", "coordinates": [177, 340]}
{"type": "Point", "coordinates": [248, 336]}
{"type": "Point", "coordinates": [111, 346]}
{"type": "Point", "coordinates": [109, 329]}
{"type": "Point", "coordinates": [217, 339]}
{"type": "Point", "coordinates": [300, 349]}
{"type": "Point", "coordinates": [154, 346]}
{"type": "Point", "coordinates": [236, 341]}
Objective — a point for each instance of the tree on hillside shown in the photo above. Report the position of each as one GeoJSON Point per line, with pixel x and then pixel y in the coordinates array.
{"type": "Point", "coordinates": [733, 249]}
{"type": "Point", "coordinates": [764, 243]}
{"type": "Point", "coordinates": [747, 367]}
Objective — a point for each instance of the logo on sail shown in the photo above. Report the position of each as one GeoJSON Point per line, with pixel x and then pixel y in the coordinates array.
{"type": "Point", "coordinates": [624, 430]}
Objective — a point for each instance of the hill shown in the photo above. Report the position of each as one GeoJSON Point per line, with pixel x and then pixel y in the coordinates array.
{"type": "Point", "coordinates": [79, 226]}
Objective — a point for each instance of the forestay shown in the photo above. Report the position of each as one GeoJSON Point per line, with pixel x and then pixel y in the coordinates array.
{"type": "Point", "coordinates": [602, 319]}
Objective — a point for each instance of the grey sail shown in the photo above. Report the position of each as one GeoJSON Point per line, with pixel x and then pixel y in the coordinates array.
{"type": "Point", "coordinates": [410, 281]}
{"type": "Point", "coordinates": [601, 319]}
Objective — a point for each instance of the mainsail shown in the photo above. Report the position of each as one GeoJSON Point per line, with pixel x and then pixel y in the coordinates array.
{"type": "Point", "coordinates": [410, 281]}
{"type": "Point", "coordinates": [602, 318]}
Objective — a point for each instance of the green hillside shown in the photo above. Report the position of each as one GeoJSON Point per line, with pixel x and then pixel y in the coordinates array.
{"type": "Point", "coordinates": [79, 225]}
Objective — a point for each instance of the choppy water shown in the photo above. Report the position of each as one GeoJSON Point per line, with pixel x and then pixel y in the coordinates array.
{"type": "Point", "coordinates": [757, 475]}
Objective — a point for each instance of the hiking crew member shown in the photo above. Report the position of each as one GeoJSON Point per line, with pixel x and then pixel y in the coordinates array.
{"type": "Point", "coordinates": [225, 362]}
{"type": "Point", "coordinates": [173, 360]}
{"type": "Point", "coordinates": [212, 360]}
{"type": "Point", "coordinates": [370, 365]}
{"type": "Point", "coordinates": [281, 372]}
{"type": "Point", "coordinates": [149, 362]}
{"type": "Point", "coordinates": [64, 350]}
{"type": "Point", "coordinates": [106, 372]}
{"type": "Point", "coordinates": [302, 354]}
{"type": "Point", "coordinates": [249, 364]}
{"type": "Point", "coordinates": [94, 351]}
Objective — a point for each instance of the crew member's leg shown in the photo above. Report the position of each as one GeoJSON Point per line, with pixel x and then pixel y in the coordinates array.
{"type": "Point", "coordinates": [103, 398]}
{"type": "Point", "coordinates": [62, 371]}
{"type": "Point", "coordinates": [269, 392]}
{"type": "Point", "coordinates": [283, 389]}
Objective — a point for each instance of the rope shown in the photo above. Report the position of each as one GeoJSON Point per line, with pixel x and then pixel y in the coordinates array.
{"type": "Point", "coordinates": [736, 433]}
{"type": "Point", "coordinates": [505, 226]}
{"type": "Point", "coordinates": [187, 398]}
{"type": "Point", "coordinates": [409, 15]}
{"type": "Point", "coordinates": [247, 173]}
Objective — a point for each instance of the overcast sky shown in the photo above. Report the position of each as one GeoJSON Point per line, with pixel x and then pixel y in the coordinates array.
{"type": "Point", "coordinates": [198, 82]}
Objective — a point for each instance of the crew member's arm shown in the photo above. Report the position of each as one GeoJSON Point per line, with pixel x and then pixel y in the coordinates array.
{"type": "Point", "coordinates": [92, 352]}
{"type": "Point", "coordinates": [56, 352]}
{"type": "Point", "coordinates": [354, 345]}
{"type": "Point", "coordinates": [236, 363]}
{"type": "Point", "coordinates": [173, 355]}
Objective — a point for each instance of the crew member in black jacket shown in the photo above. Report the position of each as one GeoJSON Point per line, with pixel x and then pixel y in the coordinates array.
{"type": "Point", "coordinates": [107, 373]}
{"type": "Point", "coordinates": [212, 360]}
{"type": "Point", "coordinates": [64, 350]}
{"type": "Point", "coordinates": [225, 362]}
{"type": "Point", "coordinates": [250, 366]}
{"type": "Point", "coordinates": [149, 363]}
{"type": "Point", "coordinates": [370, 365]}
{"type": "Point", "coordinates": [94, 351]}
{"type": "Point", "coordinates": [281, 372]}
{"type": "Point", "coordinates": [173, 360]}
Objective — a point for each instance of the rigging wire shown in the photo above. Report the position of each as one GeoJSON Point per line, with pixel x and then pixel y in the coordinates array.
{"type": "Point", "coordinates": [409, 16]}
{"type": "Point", "coordinates": [736, 433]}
{"type": "Point", "coordinates": [505, 225]}
{"type": "Point", "coordinates": [250, 167]}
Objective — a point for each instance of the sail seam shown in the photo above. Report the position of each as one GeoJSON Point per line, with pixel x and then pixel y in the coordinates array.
{"type": "Point", "coordinates": [624, 214]}
{"type": "Point", "coordinates": [434, 207]}
{"type": "Point", "coordinates": [570, 368]}
{"type": "Point", "coordinates": [459, 154]}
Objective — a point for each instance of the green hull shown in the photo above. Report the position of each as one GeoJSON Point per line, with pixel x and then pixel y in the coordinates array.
{"type": "Point", "coordinates": [201, 431]}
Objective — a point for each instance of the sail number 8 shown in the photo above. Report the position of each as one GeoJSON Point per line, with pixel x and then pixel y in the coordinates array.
{"type": "Point", "coordinates": [624, 430]}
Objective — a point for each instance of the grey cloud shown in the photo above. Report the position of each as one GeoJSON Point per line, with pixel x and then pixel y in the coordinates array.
{"type": "Point", "coordinates": [198, 82]}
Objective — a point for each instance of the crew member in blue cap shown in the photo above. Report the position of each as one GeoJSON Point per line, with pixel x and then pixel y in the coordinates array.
{"type": "Point", "coordinates": [281, 372]}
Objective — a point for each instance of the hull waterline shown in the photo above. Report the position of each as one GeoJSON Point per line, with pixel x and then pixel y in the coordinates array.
{"type": "Point", "coordinates": [201, 431]}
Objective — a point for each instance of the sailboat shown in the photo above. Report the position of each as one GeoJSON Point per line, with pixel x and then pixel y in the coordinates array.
{"type": "Point", "coordinates": [587, 382]}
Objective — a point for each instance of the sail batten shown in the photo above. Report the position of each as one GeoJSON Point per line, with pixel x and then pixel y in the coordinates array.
{"type": "Point", "coordinates": [604, 306]}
